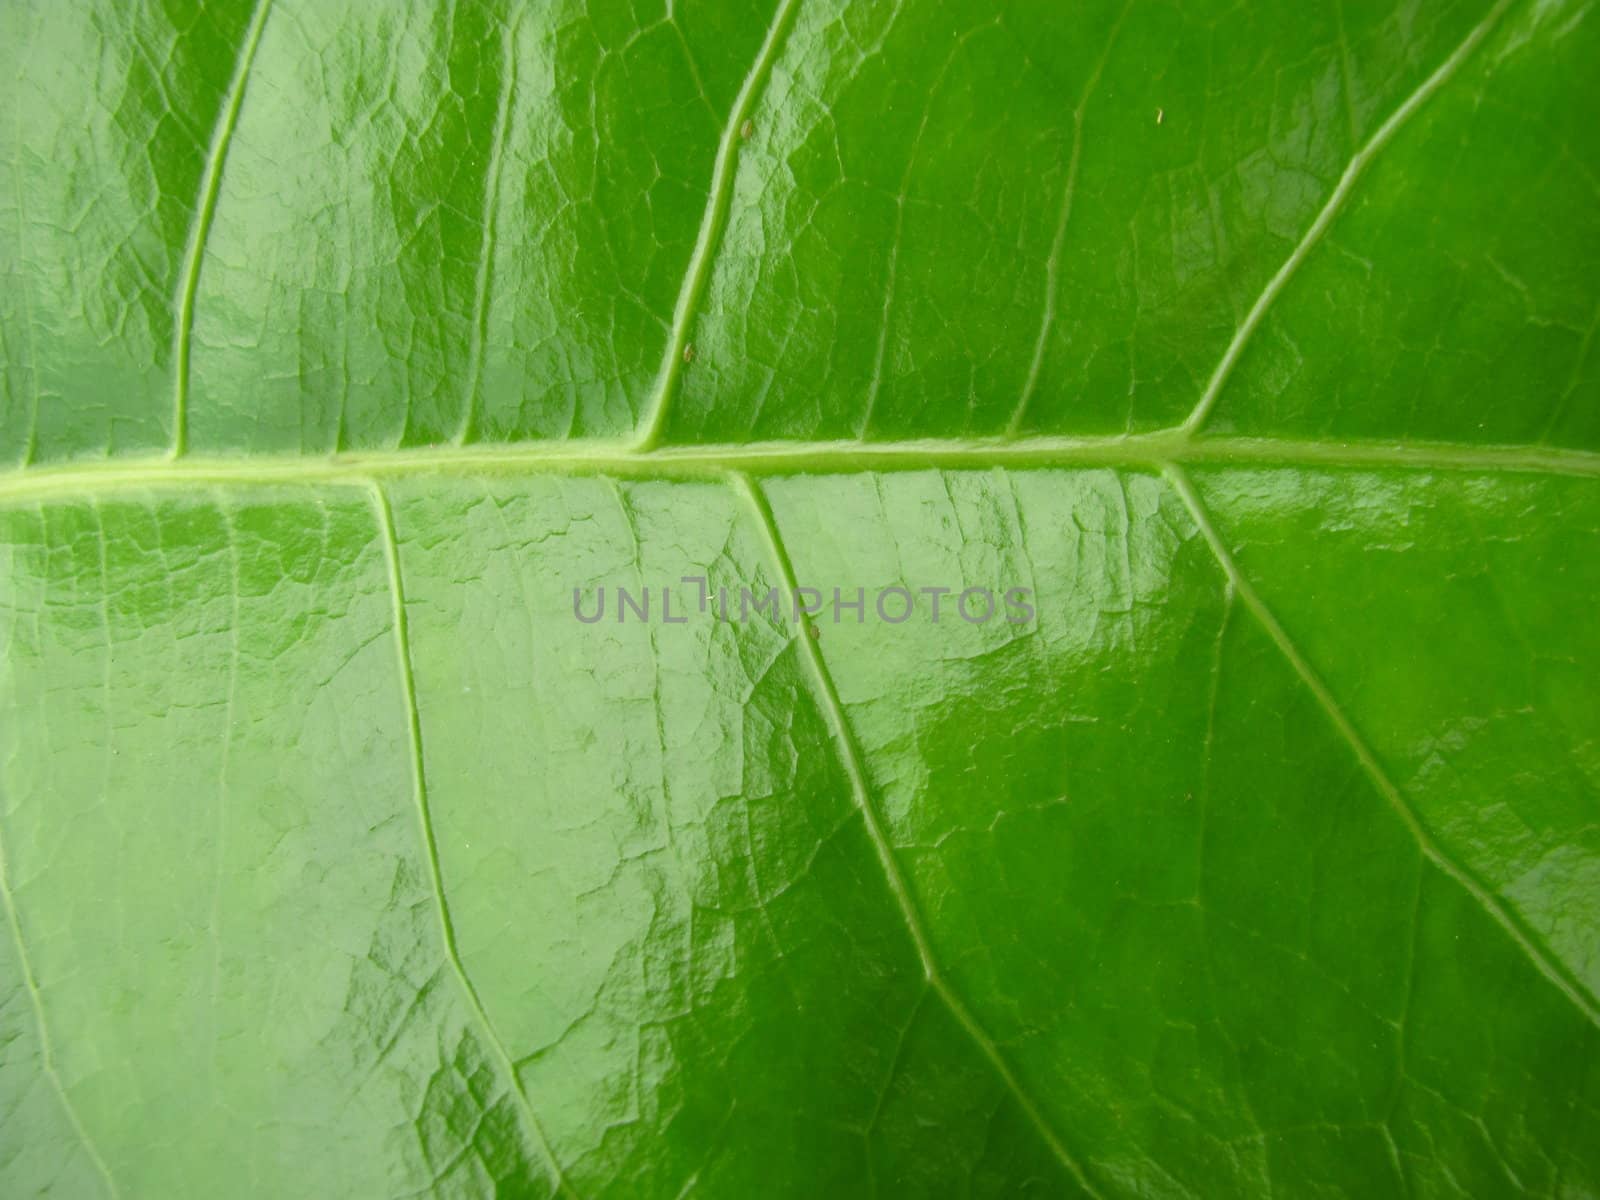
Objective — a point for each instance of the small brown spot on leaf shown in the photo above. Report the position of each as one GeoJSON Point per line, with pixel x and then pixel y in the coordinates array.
{"type": "Point", "coordinates": [688, 353]}
{"type": "Point", "coordinates": [747, 129]}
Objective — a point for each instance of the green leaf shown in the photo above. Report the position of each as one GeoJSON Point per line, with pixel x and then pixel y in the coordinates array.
{"type": "Point", "coordinates": [1255, 852]}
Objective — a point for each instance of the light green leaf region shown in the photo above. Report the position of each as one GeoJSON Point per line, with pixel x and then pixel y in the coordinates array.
{"type": "Point", "coordinates": [341, 343]}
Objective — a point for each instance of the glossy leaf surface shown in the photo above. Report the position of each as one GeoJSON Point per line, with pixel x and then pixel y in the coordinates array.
{"type": "Point", "coordinates": [1256, 853]}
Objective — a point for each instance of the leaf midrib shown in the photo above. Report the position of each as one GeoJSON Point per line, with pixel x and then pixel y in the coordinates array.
{"type": "Point", "coordinates": [1141, 452]}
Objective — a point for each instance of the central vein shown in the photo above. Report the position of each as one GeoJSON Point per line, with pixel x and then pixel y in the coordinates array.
{"type": "Point", "coordinates": [1146, 452]}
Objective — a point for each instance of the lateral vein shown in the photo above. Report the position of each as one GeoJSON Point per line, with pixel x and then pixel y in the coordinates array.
{"type": "Point", "coordinates": [200, 227]}
{"type": "Point", "coordinates": [1330, 209]}
{"type": "Point", "coordinates": [833, 711]}
{"type": "Point", "coordinates": [488, 219]}
{"type": "Point", "coordinates": [892, 266]}
{"type": "Point", "coordinates": [1545, 962]}
{"type": "Point", "coordinates": [711, 222]}
{"type": "Point", "coordinates": [47, 1056]}
{"type": "Point", "coordinates": [1052, 264]}
{"type": "Point", "coordinates": [419, 785]}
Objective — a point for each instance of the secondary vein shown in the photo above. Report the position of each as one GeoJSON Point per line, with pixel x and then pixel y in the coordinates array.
{"type": "Point", "coordinates": [833, 711]}
{"type": "Point", "coordinates": [47, 1059]}
{"type": "Point", "coordinates": [711, 222]}
{"type": "Point", "coordinates": [384, 516]}
{"type": "Point", "coordinates": [1052, 265]}
{"type": "Point", "coordinates": [488, 219]}
{"type": "Point", "coordinates": [1336, 199]}
{"type": "Point", "coordinates": [1543, 960]}
{"type": "Point", "coordinates": [200, 227]}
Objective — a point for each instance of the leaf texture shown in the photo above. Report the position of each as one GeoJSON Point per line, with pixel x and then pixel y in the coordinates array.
{"type": "Point", "coordinates": [342, 344]}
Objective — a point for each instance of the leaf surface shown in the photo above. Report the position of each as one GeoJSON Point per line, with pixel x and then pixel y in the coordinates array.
{"type": "Point", "coordinates": [340, 346]}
